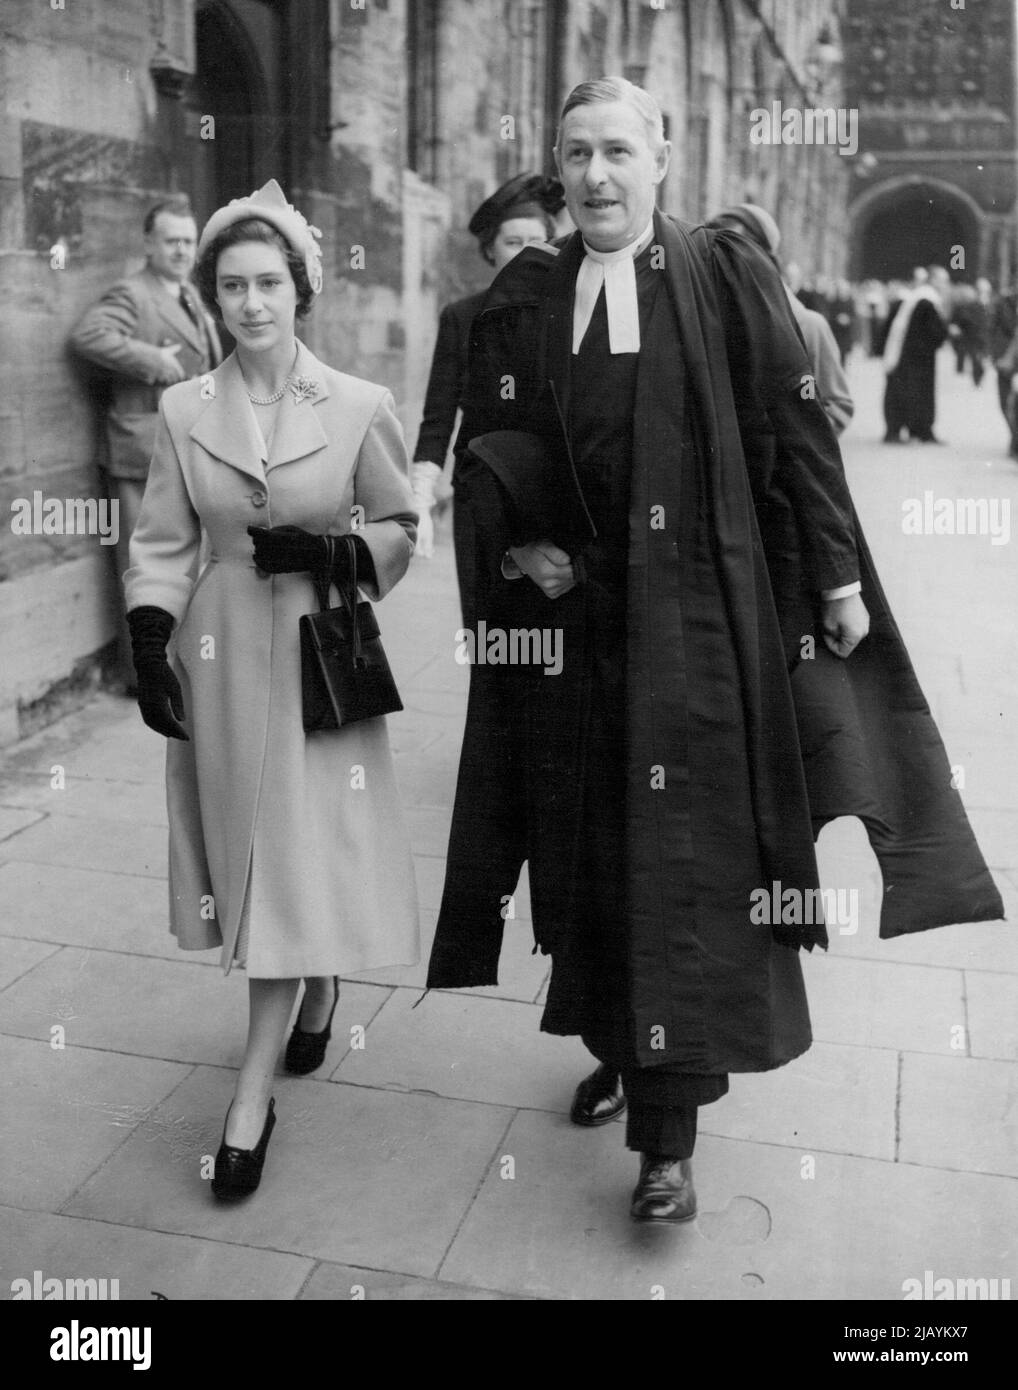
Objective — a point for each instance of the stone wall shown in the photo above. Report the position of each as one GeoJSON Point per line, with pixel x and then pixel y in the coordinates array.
{"type": "Point", "coordinates": [82, 155]}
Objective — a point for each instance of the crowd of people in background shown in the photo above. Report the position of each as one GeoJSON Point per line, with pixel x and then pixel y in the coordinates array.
{"type": "Point", "coordinates": [979, 320]}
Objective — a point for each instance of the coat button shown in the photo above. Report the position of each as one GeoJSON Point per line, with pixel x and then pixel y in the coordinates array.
{"type": "Point", "coordinates": [258, 499]}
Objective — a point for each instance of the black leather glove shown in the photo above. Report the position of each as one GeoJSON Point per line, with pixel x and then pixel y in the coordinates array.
{"type": "Point", "coordinates": [159, 695]}
{"type": "Point", "coordinates": [292, 550]}
{"type": "Point", "coordinates": [287, 549]}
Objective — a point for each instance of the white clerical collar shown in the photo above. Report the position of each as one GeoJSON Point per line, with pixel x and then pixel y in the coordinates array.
{"type": "Point", "coordinates": [617, 272]}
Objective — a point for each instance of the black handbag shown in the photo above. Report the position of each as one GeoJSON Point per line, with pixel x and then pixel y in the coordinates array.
{"type": "Point", "coordinates": [345, 675]}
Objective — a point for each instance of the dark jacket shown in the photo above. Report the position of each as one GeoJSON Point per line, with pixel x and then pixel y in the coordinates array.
{"type": "Point", "coordinates": [448, 377]}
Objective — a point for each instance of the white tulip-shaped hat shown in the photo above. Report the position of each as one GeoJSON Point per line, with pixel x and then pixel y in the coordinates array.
{"type": "Point", "coordinates": [270, 205]}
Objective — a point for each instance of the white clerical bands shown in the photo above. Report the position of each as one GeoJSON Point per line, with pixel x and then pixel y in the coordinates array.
{"type": "Point", "coordinates": [616, 271]}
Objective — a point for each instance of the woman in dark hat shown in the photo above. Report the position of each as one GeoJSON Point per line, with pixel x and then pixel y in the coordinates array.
{"type": "Point", "coordinates": [516, 215]}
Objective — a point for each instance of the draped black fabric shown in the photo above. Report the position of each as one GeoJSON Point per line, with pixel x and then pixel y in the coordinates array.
{"type": "Point", "coordinates": [713, 745]}
{"type": "Point", "coordinates": [910, 394]}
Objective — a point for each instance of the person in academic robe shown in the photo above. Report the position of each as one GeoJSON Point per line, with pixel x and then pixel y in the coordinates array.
{"type": "Point", "coordinates": [516, 215]}
{"type": "Point", "coordinates": [671, 772]}
{"type": "Point", "coordinates": [145, 333]}
{"type": "Point", "coordinates": [916, 330]}
{"type": "Point", "coordinates": [288, 852]}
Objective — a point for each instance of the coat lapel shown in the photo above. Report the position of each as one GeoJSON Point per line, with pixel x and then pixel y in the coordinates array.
{"type": "Point", "coordinates": [226, 429]}
{"type": "Point", "coordinates": [172, 313]}
{"type": "Point", "coordinates": [299, 429]}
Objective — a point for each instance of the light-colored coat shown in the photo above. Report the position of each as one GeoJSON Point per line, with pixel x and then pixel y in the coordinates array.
{"type": "Point", "coordinates": [299, 838]}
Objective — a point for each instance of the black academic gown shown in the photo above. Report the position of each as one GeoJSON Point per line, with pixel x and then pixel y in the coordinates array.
{"type": "Point", "coordinates": [910, 395]}
{"type": "Point", "coordinates": [715, 782]}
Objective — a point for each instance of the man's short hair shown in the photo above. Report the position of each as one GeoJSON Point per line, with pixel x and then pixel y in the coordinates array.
{"type": "Point", "coordinates": [618, 89]}
{"type": "Point", "coordinates": [177, 206]}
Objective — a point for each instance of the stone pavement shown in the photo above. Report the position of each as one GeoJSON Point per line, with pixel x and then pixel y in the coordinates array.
{"type": "Point", "coordinates": [437, 1161]}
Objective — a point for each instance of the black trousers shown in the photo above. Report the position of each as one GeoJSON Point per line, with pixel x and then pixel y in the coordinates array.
{"type": "Point", "coordinates": [661, 1114]}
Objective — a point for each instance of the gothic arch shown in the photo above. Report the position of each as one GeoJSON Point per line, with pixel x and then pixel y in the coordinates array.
{"type": "Point", "coordinates": [914, 219]}
{"type": "Point", "coordinates": [232, 85]}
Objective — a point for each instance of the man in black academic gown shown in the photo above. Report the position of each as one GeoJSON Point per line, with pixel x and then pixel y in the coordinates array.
{"type": "Point", "coordinates": [655, 783]}
{"type": "Point", "coordinates": [917, 329]}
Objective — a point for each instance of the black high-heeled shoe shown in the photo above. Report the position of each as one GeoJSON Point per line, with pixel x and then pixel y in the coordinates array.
{"type": "Point", "coordinates": [306, 1051]}
{"type": "Point", "coordinates": [239, 1171]}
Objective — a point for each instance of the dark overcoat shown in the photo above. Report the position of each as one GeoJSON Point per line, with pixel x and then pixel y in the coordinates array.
{"type": "Point", "coordinates": [745, 773]}
{"type": "Point", "coordinates": [447, 378]}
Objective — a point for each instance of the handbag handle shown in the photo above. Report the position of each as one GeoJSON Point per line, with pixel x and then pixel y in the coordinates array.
{"type": "Point", "coordinates": [324, 580]}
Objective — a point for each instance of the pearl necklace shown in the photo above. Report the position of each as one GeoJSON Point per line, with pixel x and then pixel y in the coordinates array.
{"type": "Point", "coordinates": [276, 395]}
{"type": "Point", "coordinates": [270, 400]}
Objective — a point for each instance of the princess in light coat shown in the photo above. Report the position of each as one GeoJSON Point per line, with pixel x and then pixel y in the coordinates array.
{"type": "Point", "coordinates": [288, 851]}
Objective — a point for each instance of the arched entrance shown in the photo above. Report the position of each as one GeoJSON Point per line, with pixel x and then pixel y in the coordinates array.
{"type": "Point", "coordinates": [240, 49]}
{"type": "Point", "coordinates": [911, 222]}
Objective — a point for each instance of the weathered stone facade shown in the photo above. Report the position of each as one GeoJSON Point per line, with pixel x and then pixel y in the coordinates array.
{"type": "Point", "coordinates": [387, 121]}
{"type": "Point", "coordinates": [935, 177]}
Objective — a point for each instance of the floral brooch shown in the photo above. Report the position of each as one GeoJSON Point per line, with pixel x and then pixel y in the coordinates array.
{"type": "Point", "coordinates": [303, 388]}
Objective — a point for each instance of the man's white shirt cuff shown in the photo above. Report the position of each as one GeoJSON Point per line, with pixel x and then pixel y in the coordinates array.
{"type": "Point", "coordinates": [846, 589]}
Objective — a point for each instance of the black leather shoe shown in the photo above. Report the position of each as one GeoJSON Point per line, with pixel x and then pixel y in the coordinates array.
{"type": "Point", "coordinates": [665, 1190]}
{"type": "Point", "coordinates": [306, 1051]}
{"type": "Point", "coordinates": [598, 1097]}
{"type": "Point", "coordinates": [239, 1171]}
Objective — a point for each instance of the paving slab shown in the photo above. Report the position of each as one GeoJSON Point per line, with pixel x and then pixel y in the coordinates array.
{"type": "Point", "coordinates": [430, 779]}
{"type": "Point", "coordinates": [344, 1283]}
{"type": "Point", "coordinates": [833, 1098]}
{"type": "Point", "coordinates": [17, 958]}
{"type": "Point", "coordinates": [993, 1015]}
{"type": "Point", "coordinates": [467, 1048]}
{"type": "Point", "coordinates": [429, 829]}
{"type": "Point", "coordinates": [95, 843]}
{"type": "Point", "coordinates": [179, 1010]}
{"type": "Point", "coordinates": [986, 764]}
{"type": "Point", "coordinates": [443, 673]}
{"type": "Point", "coordinates": [997, 833]}
{"type": "Point", "coordinates": [66, 1111]}
{"type": "Point", "coordinates": [88, 797]}
{"type": "Point", "coordinates": [856, 1229]}
{"type": "Point", "coordinates": [143, 1262]}
{"type": "Point", "coordinates": [883, 1004]}
{"type": "Point", "coordinates": [521, 972]}
{"type": "Point", "coordinates": [122, 748]}
{"type": "Point", "coordinates": [14, 819]}
{"type": "Point", "coordinates": [88, 908]}
{"type": "Point", "coordinates": [989, 946]}
{"type": "Point", "coordinates": [961, 1113]}
{"type": "Point", "coordinates": [337, 1185]}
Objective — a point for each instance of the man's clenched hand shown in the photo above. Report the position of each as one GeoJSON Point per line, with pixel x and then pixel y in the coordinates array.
{"type": "Point", "coordinates": [845, 623]}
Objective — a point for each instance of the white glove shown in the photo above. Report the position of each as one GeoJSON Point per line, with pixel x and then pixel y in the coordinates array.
{"type": "Point", "coordinates": [423, 476]}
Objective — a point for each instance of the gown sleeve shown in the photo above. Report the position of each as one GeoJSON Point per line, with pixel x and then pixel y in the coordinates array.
{"type": "Point", "coordinates": [774, 378]}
